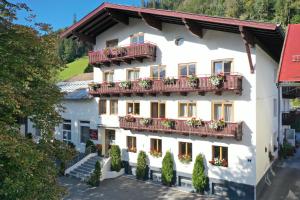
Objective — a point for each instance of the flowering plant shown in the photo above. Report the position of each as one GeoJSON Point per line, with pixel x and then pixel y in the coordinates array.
{"type": "Point", "coordinates": [193, 81]}
{"type": "Point", "coordinates": [109, 84]}
{"type": "Point", "coordinates": [145, 121]}
{"type": "Point", "coordinates": [219, 162]}
{"type": "Point", "coordinates": [217, 124]}
{"type": "Point", "coordinates": [155, 153]}
{"type": "Point", "coordinates": [94, 86]}
{"type": "Point", "coordinates": [119, 51]}
{"type": "Point", "coordinates": [145, 83]}
{"type": "Point", "coordinates": [107, 52]}
{"type": "Point", "coordinates": [185, 158]}
{"type": "Point", "coordinates": [125, 85]}
{"type": "Point", "coordinates": [129, 118]}
{"type": "Point", "coordinates": [169, 81]}
{"type": "Point", "coordinates": [167, 123]}
{"type": "Point", "coordinates": [132, 149]}
{"type": "Point", "coordinates": [216, 80]}
{"type": "Point", "coordinates": [193, 122]}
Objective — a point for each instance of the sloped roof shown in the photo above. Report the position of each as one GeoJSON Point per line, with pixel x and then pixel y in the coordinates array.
{"type": "Point", "coordinates": [268, 35]}
{"type": "Point", "coordinates": [289, 69]}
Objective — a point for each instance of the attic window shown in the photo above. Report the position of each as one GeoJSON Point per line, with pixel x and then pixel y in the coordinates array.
{"type": "Point", "coordinates": [296, 58]}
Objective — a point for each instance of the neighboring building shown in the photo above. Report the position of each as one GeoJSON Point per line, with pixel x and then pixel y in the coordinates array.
{"type": "Point", "coordinates": [133, 44]}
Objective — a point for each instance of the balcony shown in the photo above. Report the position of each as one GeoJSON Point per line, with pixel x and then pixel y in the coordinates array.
{"type": "Point", "coordinates": [288, 118]}
{"type": "Point", "coordinates": [230, 130]}
{"type": "Point", "coordinates": [182, 86]}
{"type": "Point", "coordinates": [125, 54]}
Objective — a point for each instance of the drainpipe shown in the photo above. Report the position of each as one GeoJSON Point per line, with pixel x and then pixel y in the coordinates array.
{"type": "Point", "coordinates": [279, 117]}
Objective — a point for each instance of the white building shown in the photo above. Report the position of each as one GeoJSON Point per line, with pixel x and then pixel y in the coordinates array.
{"type": "Point", "coordinates": [156, 44]}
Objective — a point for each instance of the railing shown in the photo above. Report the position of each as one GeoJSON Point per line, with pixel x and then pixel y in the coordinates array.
{"type": "Point", "coordinates": [231, 83]}
{"type": "Point", "coordinates": [231, 130]}
{"type": "Point", "coordinates": [288, 118]}
{"type": "Point", "coordinates": [123, 54]}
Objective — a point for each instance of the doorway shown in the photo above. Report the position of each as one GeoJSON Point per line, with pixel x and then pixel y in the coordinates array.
{"type": "Point", "coordinates": [110, 137]}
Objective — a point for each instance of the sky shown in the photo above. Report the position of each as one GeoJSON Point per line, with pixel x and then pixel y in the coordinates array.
{"type": "Point", "coordinates": [60, 13]}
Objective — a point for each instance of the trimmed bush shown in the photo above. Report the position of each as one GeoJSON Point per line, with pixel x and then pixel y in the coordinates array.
{"type": "Point", "coordinates": [167, 169]}
{"type": "Point", "coordinates": [199, 178]}
{"type": "Point", "coordinates": [95, 177]}
{"type": "Point", "coordinates": [89, 145]}
{"type": "Point", "coordinates": [141, 168]}
{"type": "Point", "coordinates": [115, 154]}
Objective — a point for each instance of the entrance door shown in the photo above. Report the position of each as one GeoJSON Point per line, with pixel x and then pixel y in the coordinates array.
{"type": "Point", "coordinates": [110, 136]}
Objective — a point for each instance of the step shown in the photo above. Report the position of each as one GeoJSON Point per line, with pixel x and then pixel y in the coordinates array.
{"type": "Point", "coordinates": [87, 168]}
{"type": "Point", "coordinates": [82, 171]}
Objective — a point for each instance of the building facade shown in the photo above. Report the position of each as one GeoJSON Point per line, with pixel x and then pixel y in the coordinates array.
{"type": "Point", "coordinates": [178, 82]}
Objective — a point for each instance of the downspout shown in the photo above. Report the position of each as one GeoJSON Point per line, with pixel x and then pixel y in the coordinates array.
{"type": "Point", "coordinates": [279, 117]}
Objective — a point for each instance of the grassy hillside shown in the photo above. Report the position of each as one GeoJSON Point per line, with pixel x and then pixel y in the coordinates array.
{"type": "Point", "coordinates": [74, 68]}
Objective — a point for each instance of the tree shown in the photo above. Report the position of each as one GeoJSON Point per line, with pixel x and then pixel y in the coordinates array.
{"type": "Point", "coordinates": [141, 169]}
{"type": "Point", "coordinates": [115, 154]}
{"type": "Point", "coordinates": [94, 180]}
{"type": "Point", "coordinates": [199, 178]}
{"type": "Point", "coordinates": [167, 169]}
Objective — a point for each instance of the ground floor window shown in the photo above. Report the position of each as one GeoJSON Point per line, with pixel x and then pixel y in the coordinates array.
{"type": "Point", "coordinates": [131, 144]}
{"type": "Point", "coordinates": [220, 156]}
{"type": "Point", "coordinates": [156, 147]}
{"type": "Point", "coordinates": [185, 151]}
{"type": "Point", "coordinates": [67, 130]}
{"type": "Point", "coordinates": [84, 131]}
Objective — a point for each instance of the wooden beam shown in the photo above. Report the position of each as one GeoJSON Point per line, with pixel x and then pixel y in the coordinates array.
{"type": "Point", "coordinates": [248, 40]}
{"type": "Point", "coordinates": [84, 38]}
{"type": "Point", "coordinates": [193, 27]}
{"type": "Point", "coordinates": [151, 21]}
{"type": "Point", "coordinates": [118, 17]}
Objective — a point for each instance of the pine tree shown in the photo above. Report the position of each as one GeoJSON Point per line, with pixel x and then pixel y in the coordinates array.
{"type": "Point", "coordinates": [199, 178]}
{"type": "Point", "coordinates": [115, 154]}
{"type": "Point", "coordinates": [141, 169]}
{"type": "Point", "coordinates": [167, 169]}
{"type": "Point", "coordinates": [95, 177]}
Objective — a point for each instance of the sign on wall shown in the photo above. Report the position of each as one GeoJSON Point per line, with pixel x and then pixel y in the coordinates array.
{"type": "Point", "coordinates": [94, 134]}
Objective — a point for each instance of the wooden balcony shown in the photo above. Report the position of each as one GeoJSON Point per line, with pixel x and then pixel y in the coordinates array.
{"type": "Point", "coordinates": [231, 83]}
{"type": "Point", "coordinates": [125, 54]}
{"type": "Point", "coordinates": [231, 130]}
{"type": "Point", "coordinates": [288, 118]}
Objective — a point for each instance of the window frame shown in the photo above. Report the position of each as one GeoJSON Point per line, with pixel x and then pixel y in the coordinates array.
{"type": "Point", "coordinates": [159, 70]}
{"type": "Point", "coordinates": [132, 69]}
{"type": "Point", "coordinates": [220, 152]}
{"type": "Point", "coordinates": [223, 103]}
{"type": "Point", "coordinates": [113, 40]}
{"type": "Point", "coordinates": [111, 72]}
{"type": "Point", "coordinates": [187, 104]}
{"type": "Point", "coordinates": [110, 106]}
{"type": "Point", "coordinates": [157, 141]}
{"type": "Point", "coordinates": [69, 122]}
{"type": "Point", "coordinates": [186, 148]}
{"type": "Point", "coordinates": [132, 140]}
{"type": "Point", "coordinates": [133, 108]}
{"type": "Point", "coordinates": [84, 123]}
{"type": "Point", "coordinates": [102, 112]}
{"type": "Point", "coordinates": [159, 108]}
{"type": "Point", "coordinates": [223, 61]}
{"type": "Point", "coordinates": [180, 65]}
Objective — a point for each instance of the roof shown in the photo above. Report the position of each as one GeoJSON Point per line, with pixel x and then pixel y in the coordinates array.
{"type": "Point", "coordinates": [72, 86]}
{"type": "Point", "coordinates": [268, 35]}
{"type": "Point", "coordinates": [289, 69]}
{"type": "Point", "coordinates": [81, 77]}
{"type": "Point", "coordinates": [79, 94]}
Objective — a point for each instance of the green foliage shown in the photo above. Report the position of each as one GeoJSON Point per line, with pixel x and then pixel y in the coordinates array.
{"type": "Point", "coordinates": [94, 180]}
{"type": "Point", "coordinates": [199, 178]}
{"type": "Point", "coordinates": [286, 150]}
{"type": "Point", "coordinates": [141, 168]}
{"type": "Point", "coordinates": [115, 154]}
{"type": "Point", "coordinates": [90, 146]}
{"type": "Point", "coordinates": [74, 68]}
{"type": "Point", "coordinates": [167, 169]}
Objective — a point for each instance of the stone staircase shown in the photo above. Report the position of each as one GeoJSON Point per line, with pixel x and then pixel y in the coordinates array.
{"type": "Point", "coordinates": [84, 170]}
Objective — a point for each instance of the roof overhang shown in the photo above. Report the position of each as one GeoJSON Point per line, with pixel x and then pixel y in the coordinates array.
{"type": "Point", "coordinates": [268, 36]}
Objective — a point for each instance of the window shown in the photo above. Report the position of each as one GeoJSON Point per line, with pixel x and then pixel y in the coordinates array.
{"type": "Point", "coordinates": [220, 153]}
{"type": "Point", "coordinates": [113, 107]}
{"type": "Point", "coordinates": [84, 131]}
{"type": "Point", "coordinates": [274, 107]}
{"type": "Point", "coordinates": [133, 74]}
{"type": "Point", "coordinates": [187, 69]}
{"type": "Point", "coordinates": [158, 110]}
{"type": "Point", "coordinates": [158, 72]}
{"type": "Point", "coordinates": [223, 111]}
{"type": "Point", "coordinates": [187, 110]}
{"type": "Point", "coordinates": [109, 76]}
{"type": "Point", "coordinates": [133, 108]}
{"type": "Point", "coordinates": [112, 43]}
{"type": "Point", "coordinates": [185, 148]}
{"type": "Point", "coordinates": [137, 38]}
{"type": "Point", "coordinates": [155, 145]}
{"type": "Point", "coordinates": [131, 144]}
{"type": "Point", "coordinates": [102, 107]}
{"type": "Point", "coordinates": [67, 130]}
{"type": "Point", "coordinates": [222, 66]}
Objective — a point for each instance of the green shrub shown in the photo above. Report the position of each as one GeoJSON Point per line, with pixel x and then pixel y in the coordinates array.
{"type": "Point", "coordinates": [141, 168]}
{"type": "Point", "coordinates": [95, 177]}
{"type": "Point", "coordinates": [167, 169]}
{"type": "Point", "coordinates": [286, 150]}
{"type": "Point", "coordinates": [115, 154]}
{"type": "Point", "coordinates": [90, 146]}
{"type": "Point", "coordinates": [199, 178]}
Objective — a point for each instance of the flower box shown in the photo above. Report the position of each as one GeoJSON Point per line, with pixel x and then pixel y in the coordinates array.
{"type": "Point", "coordinates": [145, 121]}
{"type": "Point", "coordinates": [193, 122]}
{"type": "Point", "coordinates": [167, 123]}
{"type": "Point", "coordinates": [169, 81]}
{"type": "Point", "coordinates": [129, 118]}
{"type": "Point", "coordinates": [193, 81]}
{"type": "Point", "coordinates": [155, 153]}
{"type": "Point", "coordinates": [132, 150]}
{"type": "Point", "coordinates": [125, 85]}
{"type": "Point", "coordinates": [218, 162]}
{"type": "Point", "coordinates": [217, 80]}
{"type": "Point", "coordinates": [217, 124]}
{"type": "Point", "coordinates": [185, 158]}
{"type": "Point", "coordinates": [94, 86]}
{"type": "Point", "coordinates": [145, 83]}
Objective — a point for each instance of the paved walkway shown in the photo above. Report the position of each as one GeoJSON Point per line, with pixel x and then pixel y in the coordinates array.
{"type": "Point", "coordinates": [122, 188]}
{"type": "Point", "coordinates": [286, 184]}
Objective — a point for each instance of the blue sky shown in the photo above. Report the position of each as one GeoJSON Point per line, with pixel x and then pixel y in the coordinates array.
{"type": "Point", "coordinates": [59, 13]}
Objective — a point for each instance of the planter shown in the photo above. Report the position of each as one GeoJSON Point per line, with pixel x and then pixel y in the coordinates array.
{"type": "Point", "coordinates": [167, 123]}
{"type": "Point", "coordinates": [216, 80]}
{"type": "Point", "coordinates": [125, 85]}
{"type": "Point", "coordinates": [193, 122]}
{"type": "Point", "coordinates": [132, 150]}
{"type": "Point", "coordinates": [145, 121]}
{"type": "Point", "coordinates": [94, 86]}
{"type": "Point", "coordinates": [217, 125]}
{"type": "Point", "coordinates": [218, 162]}
{"type": "Point", "coordinates": [129, 118]}
{"type": "Point", "coordinates": [185, 159]}
{"type": "Point", "coordinates": [169, 81]}
{"type": "Point", "coordinates": [145, 83]}
{"type": "Point", "coordinates": [193, 81]}
{"type": "Point", "coordinates": [155, 153]}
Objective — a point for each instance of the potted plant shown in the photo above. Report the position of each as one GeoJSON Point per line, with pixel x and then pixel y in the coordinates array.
{"type": "Point", "coordinates": [193, 81]}
{"type": "Point", "coordinates": [167, 123]}
{"type": "Point", "coordinates": [94, 86]}
{"type": "Point", "coordinates": [132, 149]}
{"type": "Point", "coordinates": [219, 162]}
{"type": "Point", "coordinates": [185, 158]}
{"type": "Point", "coordinates": [145, 83]}
{"type": "Point", "coordinates": [193, 122]}
{"type": "Point", "coordinates": [121, 51]}
{"type": "Point", "coordinates": [217, 124]}
{"type": "Point", "coordinates": [129, 118]}
{"type": "Point", "coordinates": [145, 121]}
{"type": "Point", "coordinates": [107, 52]}
{"type": "Point", "coordinates": [217, 80]}
{"type": "Point", "coordinates": [125, 84]}
{"type": "Point", "coordinates": [169, 81]}
{"type": "Point", "coordinates": [110, 84]}
{"type": "Point", "coordinates": [155, 153]}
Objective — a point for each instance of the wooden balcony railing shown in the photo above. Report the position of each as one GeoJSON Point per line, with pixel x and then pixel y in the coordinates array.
{"type": "Point", "coordinates": [288, 118]}
{"type": "Point", "coordinates": [231, 83]}
{"type": "Point", "coordinates": [116, 55]}
{"type": "Point", "coordinates": [231, 130]}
